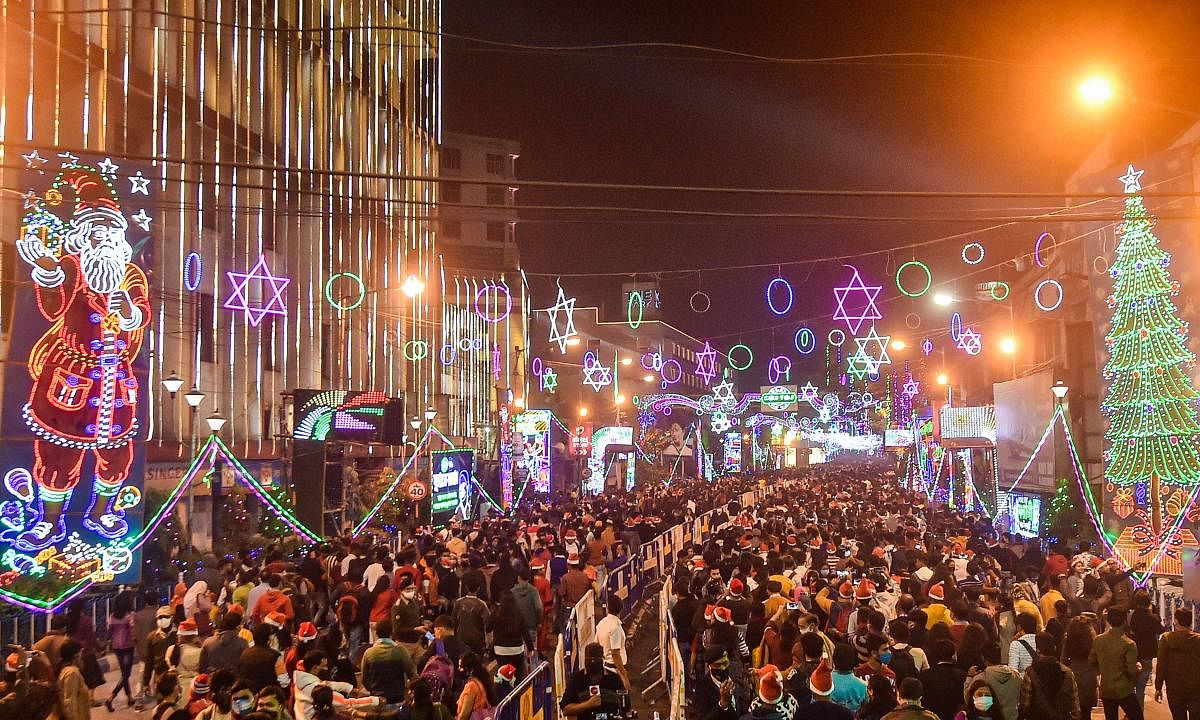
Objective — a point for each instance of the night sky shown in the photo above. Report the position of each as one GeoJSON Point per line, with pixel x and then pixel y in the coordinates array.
{"type": "Point", "coordinates": [676, 117]}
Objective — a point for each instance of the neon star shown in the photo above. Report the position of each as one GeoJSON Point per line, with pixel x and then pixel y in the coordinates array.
{"type": "Point", "coordinates": [31, 199]}
{"type": "Point", "coordinates": [912, 388]}
{"type": "Point", "coordinates": [808, 391]}
{"type": "Point", "coordinates": [108, 167]}
{"type": "Point", "coordinates": [720, 421]}
{"type": "Point", "coordinates": [270, 288]}
{"type": "Point", "coordinates": [68, 159]}
{"type": "Point", "coordinates": [142, 219]}
{"type": "Point", "coordinates": [565, 306]}
{"type": "Point", "coordinates": [881, 341]}
{"type": "Point", "coordinates": [33, 159]}
{"type": "Point", "coordinates": [723, 394]}
{"type": "Point", "coordinates": [706, 363]}
{"type": "Point", "coordinates": [970, 341]}
{"type": "Point", "coordinates": [139, 184]}
{"type": "Point", "coordinates": [859, 312]}
{"type": "Point", "coordinates": [1132, 179]}
{"type": "Point", "coordinates": [549, 380]}
{"type": "Point", "coordinates": [595, 375]}
{"type": "Point", "coordinates": [860, 364]}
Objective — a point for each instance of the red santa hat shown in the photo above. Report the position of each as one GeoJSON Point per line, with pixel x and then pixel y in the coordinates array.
{"type": "Point", "coordinates": [723, 614]}
{"type": "Point", "coordinates": [770, 684]}
{"type": "Point", "coordinates": [821, 680]}
{"type": "Point", "coordinates": [792, 541]}
{"type": "Point", "coordinates": [537, 565]}
{"type": "Point", "coordinates": [507, 672]}
{"type": "Point", "coordinates": [94, 199]}
{"type": "Point", "coordinates": [188, 628]}
{"type": "Point", "coordinates": [697, 561]}
{"type": "Point", "coordinates": [277, 619]}
{"type": "Point", "coordinates": [573, 559]}
{"type": "Point", "coordinates": [569, 535]}
{"type": "Point", "coordinates": [736, 586]}
{"type": "Point", "coordinates": [937, 591]}
{"type": "Point", "coordinates": [12, 663]}
{"type": "Point", "coordinates": [846, 590]}
{"type": "Point", "coordinates": [307, 631]}
{"type": "Point", "coordinates": [865, 590]}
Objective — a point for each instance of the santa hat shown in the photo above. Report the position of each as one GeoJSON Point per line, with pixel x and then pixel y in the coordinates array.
{"type": "Point", "coordinates": [307, 631]}
{"type": "Point", "coordinates": [764, 547]}
{"type": "Point", "coordinates": [736, 586]}
{"type": "Point", "coordinates": [821, 680]}
{"type": "Point", "coordinates": [697, 561]}
{"type": "Point", "coordinates": [846, 590]}
{"type": "Point", "coordinates": [770, 684]}
{"type": "Point", "coordinates": [723, 614]}
{"type": "Point", "coordinates": [815, 543]}
{"type": "Point", "coordinates": [94, 199]}
{"type": "Point", "coordinates": [277, 619]}
{"type": "Point", "coordinates": [792, 541]}
{"type": "Point", "coordinates": [235, 609]}
{"type": "Point", "coordinates": [744, 543]}
{"type": "Point", "coordinates": [937, 591]}
{"type": "Point", "coordinates": [569, 535]}
{"type": "Point", "coordinates": [865, 590]}
{"type": "Point", "coordinates": [188, 628]}
{"type": "Point", "coordinates": [12, 663]}
{"type": "Point", "coordinates": [537, 565]}
{"type": "Point", "coordinates": [708, 611]}
{"type": "Point", "coordinates": [573, 559]}
{"type": "Point", "coordinates": [200, 684]}
{"type": "Point", "coordinates": [507, 672]}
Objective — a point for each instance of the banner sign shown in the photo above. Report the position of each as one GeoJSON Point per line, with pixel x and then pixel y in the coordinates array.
{"type": "Point", "coordinates": [450, 484]}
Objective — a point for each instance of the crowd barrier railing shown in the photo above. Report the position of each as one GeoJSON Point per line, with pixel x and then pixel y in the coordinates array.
{"type": "Point", "coordinates": [1169, 600]}
{"type": "Point", "coordinates": [22, 627]}
{"type": "Point", "coordinates": [534, 697]}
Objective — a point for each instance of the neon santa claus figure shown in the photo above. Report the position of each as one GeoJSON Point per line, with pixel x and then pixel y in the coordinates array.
{"type": "Point", "coordinates": [85, 394]}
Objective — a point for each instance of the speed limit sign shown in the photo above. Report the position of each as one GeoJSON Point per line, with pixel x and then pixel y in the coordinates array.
{"type": "Point", "coordinates": [417, 490]}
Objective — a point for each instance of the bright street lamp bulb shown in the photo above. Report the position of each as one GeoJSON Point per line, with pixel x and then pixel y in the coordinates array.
{"type": "Point", "coordinates": [413, 286]}
{"type": "Point", "coordinates": [172, 384]}
{"type": "Point", "coordinates": [573, 341]}
{"type": "Point", "coordinates": [519, 402]}
{"type": "Point", "coordinates": [899, 344]}
{"type": "Point", "coordinates": [943, 379]}
{"type": "Point", "coordinates": [627, 361]}
{"type": "Point", "coordinates": [943, 299]}
{"type": "Point", "coordinates": [1096, 90]}
{"type": "Point", "coordinates": [194, 397]}
{"type": "Point", "coordinates": [430, 414]}
{"type": "Point", "coordinates": [648, 378]}
{"type": "Point", "coordinates": [1008, 346]}
{"type": "Point", "coordinates": [582, 412]}
{"type": "Point", "coordinates": [1059, 389]}
{"type": "Point", "coordinates": [215, 422]}
{"type": "Point", "coordinates": [620, 399]}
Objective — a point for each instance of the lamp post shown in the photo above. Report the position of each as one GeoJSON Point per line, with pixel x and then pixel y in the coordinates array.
{"type": "Point", "coordinates": [172, 384]}
{"type": "Point", "coordinates": [1060, 389]}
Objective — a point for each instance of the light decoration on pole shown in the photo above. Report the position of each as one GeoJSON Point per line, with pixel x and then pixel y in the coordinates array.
{"type": "Point", "coordinates": [1058, 295]}
{"type": "Point", "coordinates": [706, 364]}
{"type": "Point", "coordinates": [596, 375]}
{"type": "Point", "coordinates": [567, 308]}
{"type": "Point", "coordinates": [270, 287]}
{"type": "Point", "coordinates": [1153, 431]}
{"type": "Point", "coordinates": [771, 298]}
{"type": "Point", "coordinates": [856, 302]}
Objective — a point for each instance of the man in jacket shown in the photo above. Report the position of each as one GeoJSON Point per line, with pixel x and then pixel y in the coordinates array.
{"type": "Point", "coordinates": [471, 617]}
{"type": "Point", "coordinates": [386, 666]}
{"type": "Point", "coordinates": [909, 693]}
{"type": "Point", "coordinates": [1178, 654]}
{"type": "Point", "coordinates": [1117, 657]}
{"type": "Point", "coordinates": [529, 602]}
{"type": "Point", "coordinates": [223, 650]}
{"type": "Point", "coordinates": [1048, 688]}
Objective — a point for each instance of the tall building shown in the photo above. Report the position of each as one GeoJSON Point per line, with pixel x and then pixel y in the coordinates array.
{"type": "Point", "coordinates": [478, 221]}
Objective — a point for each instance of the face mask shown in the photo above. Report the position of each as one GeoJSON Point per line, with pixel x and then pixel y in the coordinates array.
{"type": "Point", "coordinates": [164, 623]}
{"type": "Point", "coordinates": [983, 703]}
{"type": "Point", "coordinates": [241, 706]}
{"type": "Point", "coordinates": [885, 658]}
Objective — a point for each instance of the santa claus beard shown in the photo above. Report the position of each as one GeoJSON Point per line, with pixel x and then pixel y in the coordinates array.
{"type": "Point", "coordinates": [103, 266]}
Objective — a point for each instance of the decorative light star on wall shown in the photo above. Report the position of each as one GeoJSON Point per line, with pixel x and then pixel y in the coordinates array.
{"type": "Point", "coordinates": [271, 290]}
{"type": "Point", "coordinates": [1132, 179]}
{"type": "Point", "coordinates": [595, 375]}
{"type": "Point", "coordinates": [912, 388]}
{"type": "Point", "coordinates": [862, 307]}
{"type": "Point", "coordinates": [706, 363]}
{"type": "Point", "coordinates": [566, 306]}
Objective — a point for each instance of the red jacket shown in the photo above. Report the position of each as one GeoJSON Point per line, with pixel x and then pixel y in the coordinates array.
{"type": "Point", "coordinates": [273, 601]}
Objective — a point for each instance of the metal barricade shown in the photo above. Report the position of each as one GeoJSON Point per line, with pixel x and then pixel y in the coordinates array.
{"type": "Point", "coordinates": [534, 696]}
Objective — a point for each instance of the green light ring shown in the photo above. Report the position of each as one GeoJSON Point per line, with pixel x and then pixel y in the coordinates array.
{"type": "Point", "coordinates": [338, 304]}
{"type": "Point", "coordinates": [928, 279]}
{"type": "Point", "coordinates": [749, 357]}
{"type": "Point", "coordinates": [1007, 290]}
{"type": "Point", "coordinates": [629, 310]}
{"type": "Point", "coordinates": [415, 350]}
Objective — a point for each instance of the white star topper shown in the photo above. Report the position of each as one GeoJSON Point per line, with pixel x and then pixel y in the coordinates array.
{"type": "Point", "coordinates": [1132, 179]}
{"type": "Point", "coordinates": [567, 306]}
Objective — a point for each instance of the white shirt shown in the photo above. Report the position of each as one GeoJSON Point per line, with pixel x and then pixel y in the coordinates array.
{"type": "Point", "coordinates": [611, 636]}
{"type": "Point", "coordinates": [372, 574]}
{"type": "Point", "coordinates": [350, 557]}
{"type": "Point", "coordinates": [1019, 658]}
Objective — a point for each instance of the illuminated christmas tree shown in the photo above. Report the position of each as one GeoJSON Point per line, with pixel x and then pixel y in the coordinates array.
{"type": "Point", "coordinates": [1153, 431]}
{"type": "Point", "coordinates": [271, 526]}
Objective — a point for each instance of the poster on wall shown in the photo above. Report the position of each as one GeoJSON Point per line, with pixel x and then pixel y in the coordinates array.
{"type": "Point", "coordinates": [1023, 407]}
{"type": "Point", "coordinates": [75, 383]}
{"type": "Point", "coordinates": [450, 484]}
{"type": "Point", "coordinates": [731, 445]}
{"type": "Point", "coordinates": [534, 447]}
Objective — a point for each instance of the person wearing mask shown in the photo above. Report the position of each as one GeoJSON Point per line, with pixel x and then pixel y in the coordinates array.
{"type": "Point", "coordinates": [1048, 688]}
{"type": "Point", "coordinates": [121, 640]}
{"type": "Point", "coordinates": [224, 650]}
{"type": "Point", "coordinates": [881, 699]}
{"type": "Point", "coordinates": [909, 693]}
{"type": "Point", "coordinates": [386, 666]}
{"type": "Point", "coordinates": [592, 689]}
{"type": "Point", "coordinates": [478, 693]}
{"type": "Point", "coordinates": [1178, 653]}
{"type": "Point", "coordinates": [158, 643]}
{"type": "Point", "coordinates": [74, 695]}
{"type": "Point", "coordinates": [981, 704]}
{"type": "Point", "coordinates": [408, 609]}
{"type": "Point", "coordinates": [1116, 656]}
{"type": "Point", "coordinates": [446, 645]}
{"type": "Point", "coordinates": [1145, 627]}
{"type": "Point", "coordinates": [712, 695]}
{"type": "Point", "coordinates": [1002, 680]}
{"type": "Point", "coordinates": [184, 657]}
{"type": "Point", "coordinates": [772, 701]}
{"type": "Point", "coordinates": [242, 700]}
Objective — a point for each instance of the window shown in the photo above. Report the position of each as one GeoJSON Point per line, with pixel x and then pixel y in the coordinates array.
{"type": "Point", "coordinates": [495, 195]}
{"type": "Point", "coordinates": [452, 228]}
{"type": "Point", "coordinates": [495, 164]}
{"type": "Point", "coordinates": [451, 192]}
{"type": "Point", "coordinates": [205, 328]}
{"type": "Point", "coordinates": [495, 232]}
{"type": "Point", "coordinates": [452, 159]}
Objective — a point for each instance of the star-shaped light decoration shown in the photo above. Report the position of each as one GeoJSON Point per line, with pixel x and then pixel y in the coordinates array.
{"type": "Point", "coordinates": [720, 421]}
{"type": "Point", "coordinates": [808, 391]}
{"type": "Point", "coordinates": [595, 375]}
{"type": "Point", "coordinates": [142, 219]}
{"type": "Point", "coordinates": [863, 308]}
{"type": "Point", "coordinates": [860, 364]}
{"type": "Point", "coordinates": [723, 393]}
{"type": "Point", "coordinates": [139, 184]}
{"type": "Point", "coordinates": [68, 159]}
{"type": "Point", "coordinates": [970, 341]}
{"type": "Point", "coordinates": [706, 363]}
{"type": "Point", "coordinates": [912, 388]}
{"type": "Point", "coordinates": [549, 380]}
{"type": "Point", "coordinates": [563, 305]}
{"type": "Point", "coordinates": [30, 199]}
{"type": "Point", "coordinates": [270, 289]}
{"type": "Point", "coordinates": [108, 167]}
{"type": "Point", "coordinates": [1132, 179]}
{"type": "Point", "coordinates": [880, 341]}
{"type": "Point", "coordinates": [33, 161]}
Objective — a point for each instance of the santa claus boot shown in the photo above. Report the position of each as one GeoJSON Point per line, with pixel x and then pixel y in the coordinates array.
{"type": "Point", "coordinates": [101, 517]}
{"type": "Point", "coordinates": [48, 526]}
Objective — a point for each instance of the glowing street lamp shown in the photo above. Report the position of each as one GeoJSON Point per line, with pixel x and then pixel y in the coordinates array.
{"type": "Point", "coordinates": [1060, 390]}
{"type": "Point", "coordinates": [1008, 346]}
{"type": "Point", "coordinates": [172, 384]}
{"type": "Point", "coordinates": [413, 286]}
{"type": "Point", "coordinates": [583, 412]}
{"type": "Point", "coordinates": [215, 422]}
{"type": "Point", "coordinates": [943, 299]}
{"type": "Point", "coordinates": [899, 344]}
{"type": "Point", "coordinates": [943, 379]}
{"type": "Point", "coordinates": [1096, 90]}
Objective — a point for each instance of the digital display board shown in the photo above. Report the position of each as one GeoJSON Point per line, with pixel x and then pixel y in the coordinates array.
{"type": "Point", "coordinates": [532, 439]}
{"type": "Point", "coordinates": [450, 484]}
{"type": "Point", "coordinates": [964, 427]}
{"type": "Point", "coordinates": [351, 415]}
{"type": "Point", "coordinates": [732, 443]}
{"type": "Point", "coordinates": [897, 437]}
{"type": "Point", "coordinates": [1025, 514]}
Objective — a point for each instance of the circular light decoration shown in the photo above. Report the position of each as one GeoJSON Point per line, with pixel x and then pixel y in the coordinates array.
{"type": "Point", "coordinates": [841, 337]}
{"type": "Point", "coordinates": [641, 310]}
{"type": "Point", "coordinates": [481, 310]}
{"type": "Point", "coordinates": [749, 357]}
{"type": "Point", "coordinates": [920, 266]}
{"type": "Point", "coordinates": [779, 369]}
{"type": "Point", "coordinates": [453, 354]}
{"type": "Point", "coordinates": [656, 361]}
{"type": "Point", "coordinates": [997, 286]}
{"type": "Point", "coordinates": [1100, 265]}
{"type": "Point", "coordinates": [955, 327]}
{"type": "Point", "coordinates": [466, 344]}
{"type": "Point", "coordinates": [972, 253]}
{"type": "Point", "coordinates": [706, 300]}
{"type": "Point", "coordinates": [193, 271]}
{"type": "Point", "coordinates": [805, 338]}
{"type": "Point", "coordinates": [873, 375]}
{"type": "Point", "coordinates": [536, 367]}
{"type": "Point", "coordinates": [1037, 295]}
{"type": "Point", "coordinates": [927, 347]}
{"type": "Point", "coordinates": [912, 321]}
{"type": "Point", "coordinates": [415, 350]}
{"type": "Point", "coordinates": [1044, 243]}
{"type": "Point", "coordinates": [666, 380]}
{"type": "Point", "coordinates": [350, 302]}
{"type": "Point", "coordinates": [771, 298]}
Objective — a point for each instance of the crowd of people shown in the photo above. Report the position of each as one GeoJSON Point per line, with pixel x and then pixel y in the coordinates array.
{"type": "Point", "coordinates": [842, 595]}
{"type": "Point", "coordinates": [434, 625]}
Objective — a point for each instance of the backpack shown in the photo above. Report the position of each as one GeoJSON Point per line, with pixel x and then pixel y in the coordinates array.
{"type": "Point", "coordinates": [347, 610]}
{"type": "Point", "coordinates": [903, 664]}
{"type": "Point", "coordinates": [439, 672]}
{"type": "Point", "coordinates": [1042, 707]}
